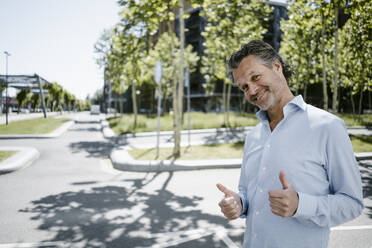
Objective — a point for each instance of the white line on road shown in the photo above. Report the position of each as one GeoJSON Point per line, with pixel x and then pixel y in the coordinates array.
{"type": "Point", "coordinates": [29, 245]}
{"type": "Point", "coordinates": [348, 228]}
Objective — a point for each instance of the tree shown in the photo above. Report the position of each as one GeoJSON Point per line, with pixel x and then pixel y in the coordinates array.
{"type": "Point", "coordinates": [356, 50]}
{"type": "Point", "coordinates": [35, 100]}
{"type": "Point", "coordinates": [230, 24]}
{"type": "Point", "coordinates": [22, 97]}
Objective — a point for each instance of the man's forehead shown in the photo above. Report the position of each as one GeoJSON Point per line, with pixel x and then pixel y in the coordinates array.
{"type": "Point", "coordinates": [249, 65]}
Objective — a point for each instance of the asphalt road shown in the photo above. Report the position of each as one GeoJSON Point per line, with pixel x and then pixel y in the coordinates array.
{"type": "Point", "coordinates": [71, 197]}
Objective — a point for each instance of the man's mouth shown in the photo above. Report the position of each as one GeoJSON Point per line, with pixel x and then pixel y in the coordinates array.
{"type": "Point", "coordinates": [259, 95]}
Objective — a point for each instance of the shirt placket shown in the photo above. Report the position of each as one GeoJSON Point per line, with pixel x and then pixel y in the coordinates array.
{"type": "Point", "coordinates": [259, 197]}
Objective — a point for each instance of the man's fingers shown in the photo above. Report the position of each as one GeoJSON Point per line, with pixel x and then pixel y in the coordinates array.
{"type": "Point", "coordinates": [276, 193]}
{"type": "Point", "coordinates": [283, 180]}
{"type": "Point", "coordinates": [224, 190]}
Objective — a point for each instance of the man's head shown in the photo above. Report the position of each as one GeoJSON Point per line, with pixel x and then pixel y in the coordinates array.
{"type": "Point", "coordinates": [261, 74]}
{"type": "Point", "coordinates": [263, 52]}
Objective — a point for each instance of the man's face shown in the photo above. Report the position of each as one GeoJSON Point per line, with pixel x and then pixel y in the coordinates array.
{"type": "Point", "coordinates": [261, 85]}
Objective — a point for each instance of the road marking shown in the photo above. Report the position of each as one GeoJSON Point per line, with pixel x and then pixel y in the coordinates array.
{"type": "Point", "coordinates": [348, 228]}
{"type": "Point", "coordinates": [28, 245]}
{"type": "Point", "coordinates": [106, 166]}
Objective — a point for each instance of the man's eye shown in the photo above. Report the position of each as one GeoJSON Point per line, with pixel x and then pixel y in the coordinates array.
{"type": "Point", "coordinates": [255, 77]}
{"type": "Point", "coordinates": [244, 88]}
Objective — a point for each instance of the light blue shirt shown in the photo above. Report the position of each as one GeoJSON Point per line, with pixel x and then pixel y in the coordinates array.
{"type": "Point", "coordinates": [313, 148]}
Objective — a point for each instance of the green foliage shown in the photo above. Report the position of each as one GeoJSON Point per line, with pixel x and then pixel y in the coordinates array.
{"type": "Point", "coordinates": [302, 39]}
{"type": "Point", "coordinates": [21, 97]}
{"type": "Point", "coordinates": [230, 24]}
{"type": "Point", "coordinates": [356, 43]}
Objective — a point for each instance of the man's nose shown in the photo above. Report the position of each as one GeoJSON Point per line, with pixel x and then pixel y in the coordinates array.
{"type": "Point", "coordinates": [253, 89]}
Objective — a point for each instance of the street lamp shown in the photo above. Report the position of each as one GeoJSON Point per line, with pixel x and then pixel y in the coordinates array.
{"type": "Point", "coordinates": [6, 85]}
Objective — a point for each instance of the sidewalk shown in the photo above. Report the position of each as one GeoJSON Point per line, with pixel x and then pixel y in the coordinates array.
{"type": "Point", "coordinates": [122, 160]}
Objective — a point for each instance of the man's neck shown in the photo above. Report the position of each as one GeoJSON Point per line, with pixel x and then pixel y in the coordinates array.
{"type": "Point", "coordinates": [275, 114]}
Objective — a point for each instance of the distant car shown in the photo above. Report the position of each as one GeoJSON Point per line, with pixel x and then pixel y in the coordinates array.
{"type": "Point", "coordinates": [94, 110]}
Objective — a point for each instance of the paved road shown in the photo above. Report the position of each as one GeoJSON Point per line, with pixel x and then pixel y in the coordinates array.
{"type": "Point", "coordinates": [71, 197]}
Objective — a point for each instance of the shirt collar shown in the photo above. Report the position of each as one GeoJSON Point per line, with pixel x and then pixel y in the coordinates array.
{"type": "Point", "coordinates": [296, 102]}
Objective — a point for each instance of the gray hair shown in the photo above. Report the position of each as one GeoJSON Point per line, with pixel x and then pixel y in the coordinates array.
{"type": "Point", "coordinates": [264, 52]}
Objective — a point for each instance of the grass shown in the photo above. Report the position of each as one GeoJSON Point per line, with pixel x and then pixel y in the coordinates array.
{"type": "Point", "coordinates": [198, 120]}
{"type": "Point", "coordinates": [33, 126]}
{"type": "Point", "coordinates": [6, 154]}
{"type": "Point", "coordinates": [361, 143]}
{"type": "Point", "coordinates": [219, 151]}
{"type": "Point", "coordinates": [350, 121]}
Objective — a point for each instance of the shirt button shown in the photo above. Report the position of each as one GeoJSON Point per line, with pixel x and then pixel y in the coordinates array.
{"type": "Point", "coordinates": [255, 235]}
{"type": "Point", "coordinates": [268, 145]}
{"type": "Point", "coordinates": [264, 168]}
{"type": "Point", "coordinates": [257, 212]}
{"type": "Point", "coordinates": [260, 190]}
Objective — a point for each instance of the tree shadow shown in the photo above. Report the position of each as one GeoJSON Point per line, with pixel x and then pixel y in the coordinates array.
{"type": "Point", "coordinates": [112, 216]}
{"type": "Point", "coordinates": [228, 136]}
{"type": "Point", "coordinates": [100, 149]}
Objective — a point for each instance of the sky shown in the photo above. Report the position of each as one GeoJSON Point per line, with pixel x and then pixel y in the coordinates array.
{"type": "Point", "coordinates": [55, 39]}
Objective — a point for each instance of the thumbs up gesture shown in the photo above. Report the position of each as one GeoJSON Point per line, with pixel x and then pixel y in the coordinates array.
{"type": "Point", "coordinates": [230, 205]}
{"type": "Point", "coordinates": [283, 202]}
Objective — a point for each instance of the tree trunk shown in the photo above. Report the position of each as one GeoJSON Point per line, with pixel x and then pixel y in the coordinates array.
{"type": "Point", "coordinates": [177, 153]}
{"type": "Point", "coordinates": [224, 104]}
{"type": "Point", "coordinates": [360, 102]}
{"type": "Point", "coordinates": [325, 93]}
{"type": "Point", "coordinates": [352, 102]}
{"type": "Point", "coordinates": [228, 104]}
{"type": "Point", "coordinates": [134, 104]}
{"type": "Point", "coordinates": [176, 135]}
{"type": "Point", "coordinates": [335, 82]}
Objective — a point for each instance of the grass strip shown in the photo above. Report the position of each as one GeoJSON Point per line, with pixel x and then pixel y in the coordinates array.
{"type": "Point", "coordinates": [361, 143]}
{"type": "Point", "coordinates": [33, 126]}
{"type": "Point", "coordinates": [6, 154]}
{"type": "Point", "coordinates": [198, 120]}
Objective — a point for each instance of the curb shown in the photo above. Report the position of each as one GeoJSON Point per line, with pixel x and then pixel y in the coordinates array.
{"type": "Point", "coordinates": [56, 133]}
{"type": "Point", "coordinates": [122, 160]}
{"type": "Point", "coordinates": [23, 158]}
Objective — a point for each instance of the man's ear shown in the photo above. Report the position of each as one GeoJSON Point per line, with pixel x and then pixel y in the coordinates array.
{"type": "Point", "coordinates": [277, 66]}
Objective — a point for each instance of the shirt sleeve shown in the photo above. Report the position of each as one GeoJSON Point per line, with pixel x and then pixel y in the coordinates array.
{"type": "Point", "coordinates": [345, 200]}
{"type": "Point", "coordinates": [243, 184]}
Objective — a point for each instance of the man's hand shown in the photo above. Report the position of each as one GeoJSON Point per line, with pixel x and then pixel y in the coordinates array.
{"type": "Point", "coordinates": [284, 202]}
{"type": "Point", "coordinates": [230, 205]}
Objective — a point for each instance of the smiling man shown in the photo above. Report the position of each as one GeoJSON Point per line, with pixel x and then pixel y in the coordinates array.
{"type": "Point", "coordinates": [299, 176]}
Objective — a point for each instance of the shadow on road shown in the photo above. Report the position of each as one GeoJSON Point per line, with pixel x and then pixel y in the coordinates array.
{"type": "Point", "coordinates": [112, 216]}
{"type": "Point", "coordinates": [94, 148]}
{"type": "Point", "coordinates": [366, 174]}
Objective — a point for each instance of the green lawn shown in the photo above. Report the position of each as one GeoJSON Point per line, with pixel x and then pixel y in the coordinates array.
{"type": "Point", "coordinates": [34, 126]}
{"type": "Point", "coordinates": [6, 154]}
{"type": "Point", "coordinates": [198, 120]}
{"type": "Point", "coordinates": [365, 120]}
{"type": "Point", "coordinates": [360, 144]}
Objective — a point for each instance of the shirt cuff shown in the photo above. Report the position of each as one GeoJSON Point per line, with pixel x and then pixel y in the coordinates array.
{"type": "Point", "coordinates": [244, 206]}
{"type": "Point", "coordinates": [307, 205]}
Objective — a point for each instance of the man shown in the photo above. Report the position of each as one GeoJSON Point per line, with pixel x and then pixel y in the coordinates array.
{"type": "Point", "coordinates": [299, 176]}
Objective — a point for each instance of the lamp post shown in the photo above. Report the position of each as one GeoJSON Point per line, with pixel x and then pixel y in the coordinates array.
{"type": "Point", "coordinates": [7, 54]}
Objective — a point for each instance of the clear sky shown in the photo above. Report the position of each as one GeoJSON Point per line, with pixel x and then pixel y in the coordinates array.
{"type": "Point", "coordinates": [55, 39]}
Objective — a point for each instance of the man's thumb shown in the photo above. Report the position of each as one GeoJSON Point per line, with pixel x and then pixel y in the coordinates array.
{"type": "Point", "coordinates": [224, 190]}
{"type": "Point", "coordinates": [284, 181]}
